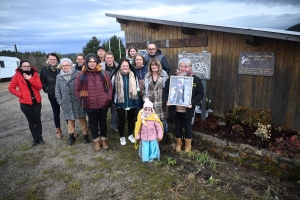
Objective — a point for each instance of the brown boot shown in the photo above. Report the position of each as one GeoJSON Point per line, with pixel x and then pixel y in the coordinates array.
{"type": "Point", "coordinates": [104, 143]}
{"type": "Point", "coordinates": [97, 146]}
{"type": "Point", "coordinates": [188, 145]}
{"type": "Point", "coordinates": [178, 144]}
{"type": "Point", "coordinates": [58, 133]}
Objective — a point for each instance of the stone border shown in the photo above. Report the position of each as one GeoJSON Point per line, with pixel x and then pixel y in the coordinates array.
{"type": "Point", "coordinates": [251, 156]}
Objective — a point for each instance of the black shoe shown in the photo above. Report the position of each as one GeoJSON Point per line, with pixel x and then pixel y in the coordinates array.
{"type": "Point", "coordinates": [72, 139]}
{"type": "Point", "coordinates": [41, 141]}
{"type": "Point", "coordinates": [86, 139]}
{"type": "Point", "coordinates": [34, 142]}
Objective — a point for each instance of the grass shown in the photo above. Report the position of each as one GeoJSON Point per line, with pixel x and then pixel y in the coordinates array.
{"type": "Point", "coordinates": [78, 172]}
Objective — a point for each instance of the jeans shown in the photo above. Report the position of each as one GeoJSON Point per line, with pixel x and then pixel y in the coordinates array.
{"type": "Point", "coordinates": [95, 117]}
{"type": "Point", "coordinates": [114, 116]}
{"type": "Point", "coordinates": [33, 115]}
{"type": "Point", "coordinates": [179, 120]}
{"type": "Point", "coordinates": [56, 112]}
{"type": "Point", "coordinates": [130, 118]}
{"type": "Point", "coordinates": [166, 125]}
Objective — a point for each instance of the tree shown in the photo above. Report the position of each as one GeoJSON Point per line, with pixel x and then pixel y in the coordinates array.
{"type": "Point", "coordinates": [294, 28]}
{"type": "Point", "coordinates": [114, 47]}
{"type": "Point", "coordinates": [91, 46]}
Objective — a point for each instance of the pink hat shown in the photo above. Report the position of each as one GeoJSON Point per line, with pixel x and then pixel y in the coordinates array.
{"type": "Point", "coordinates": [148, 104]}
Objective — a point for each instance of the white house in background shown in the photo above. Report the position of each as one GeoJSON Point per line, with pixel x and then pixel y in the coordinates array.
{"type": "Point", "coordinates": [8, 66]}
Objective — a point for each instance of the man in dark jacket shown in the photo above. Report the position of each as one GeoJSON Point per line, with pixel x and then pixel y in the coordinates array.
{"type": "Point", "coordinates": [110, 66]}
{"type": "Point", "coordinates": [80, 59]}
{"type": "Point", "coordinates": [153, 52]}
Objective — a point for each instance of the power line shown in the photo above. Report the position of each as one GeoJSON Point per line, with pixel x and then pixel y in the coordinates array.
{"type": "Point", "coordinates": [7, 44]}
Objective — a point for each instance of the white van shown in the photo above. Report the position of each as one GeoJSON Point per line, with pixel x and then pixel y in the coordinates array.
{"type": "Point", "coordinates": [8, 66]}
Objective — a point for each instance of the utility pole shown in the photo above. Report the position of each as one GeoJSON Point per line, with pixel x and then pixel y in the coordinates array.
{"type": "Point", "coordinates": [16, 50]}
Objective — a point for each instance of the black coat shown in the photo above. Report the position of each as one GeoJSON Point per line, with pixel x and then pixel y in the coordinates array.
{"type": "Point", "coordinates": [197, 95]}
{"type": "Point", "coordinates": [48, 79]}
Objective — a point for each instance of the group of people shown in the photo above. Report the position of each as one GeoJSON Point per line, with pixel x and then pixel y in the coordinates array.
{"type": "Point", "coordinates": [135, 88]}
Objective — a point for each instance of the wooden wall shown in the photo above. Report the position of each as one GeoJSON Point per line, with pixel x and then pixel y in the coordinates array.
{"type": "Point", "coordinates": [280, 93]}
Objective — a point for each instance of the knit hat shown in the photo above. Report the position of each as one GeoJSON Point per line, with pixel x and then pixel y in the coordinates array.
{"type": "Point", "coordinates": [89, 56]}
{"type": "Point", "coordinates": [148, 104]}
{"type": "Point", "coordinates": [100, 47]}
{"type": "Point", "coordinates": [25, 60]}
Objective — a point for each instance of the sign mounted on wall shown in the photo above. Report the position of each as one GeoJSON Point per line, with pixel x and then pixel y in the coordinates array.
{"type": "Point", "coordinates": [257, 63]}
{"type": "Point", "coordinates": [201, 63]}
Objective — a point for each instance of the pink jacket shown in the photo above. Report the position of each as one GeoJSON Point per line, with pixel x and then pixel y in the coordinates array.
{"type": "Point", "coordinates": [152, 132]}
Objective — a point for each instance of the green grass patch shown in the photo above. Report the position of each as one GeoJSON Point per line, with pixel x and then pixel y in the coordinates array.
{"type": "Point", "coordinates": [3, 162]}
{"type": "Point", "coordinates": [28, 159]}
{"type": "Point", "coordinates": [32, 194]}
{"type": "Point", "coordinates": [70, 162]}
{"type": "Point", "coordinates": [74, 188]}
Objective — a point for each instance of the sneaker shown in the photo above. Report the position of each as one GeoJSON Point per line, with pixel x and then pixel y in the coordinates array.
{"type": "Point", "coordinates": [131, 138]}
{"type": "Point", "coordinates": [123, 141]}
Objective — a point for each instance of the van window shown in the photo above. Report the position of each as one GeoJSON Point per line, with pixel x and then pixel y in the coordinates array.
{"type": "Point", "coordinates": [2, 64]}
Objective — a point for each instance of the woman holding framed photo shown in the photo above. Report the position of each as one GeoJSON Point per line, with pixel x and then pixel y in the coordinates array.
{"type": "Point", "coordinates": [183, 112]}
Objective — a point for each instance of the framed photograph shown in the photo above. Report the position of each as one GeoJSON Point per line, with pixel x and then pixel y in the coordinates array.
{"type": "Point", "coordinates": [180, 90]}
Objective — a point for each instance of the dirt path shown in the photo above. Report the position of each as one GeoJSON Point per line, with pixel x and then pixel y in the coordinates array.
{"type": "Point", "coordinates": [56, 170]}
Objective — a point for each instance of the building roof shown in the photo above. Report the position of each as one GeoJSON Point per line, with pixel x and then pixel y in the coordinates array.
{"type": "Point", "coordinates": [261, 32]}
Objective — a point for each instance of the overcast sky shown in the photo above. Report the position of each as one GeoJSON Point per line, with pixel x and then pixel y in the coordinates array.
{"type": "Point", "coordinates": [65, 26]}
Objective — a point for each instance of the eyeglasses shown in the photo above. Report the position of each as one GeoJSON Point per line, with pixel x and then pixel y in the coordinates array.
{"type": "Point", "coordinates": [66, 65]}
{"type": "Point", "coordinates": [28, 66]}
{"type": "Point", "coordinates": [152, 49]}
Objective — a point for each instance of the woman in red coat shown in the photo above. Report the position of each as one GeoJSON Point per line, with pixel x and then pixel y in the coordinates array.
{"type": "Point", "coordinates": [26, 85]}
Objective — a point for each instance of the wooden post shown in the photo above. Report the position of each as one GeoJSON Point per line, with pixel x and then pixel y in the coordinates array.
{"type": "Point", "coordinates": [203, 106]}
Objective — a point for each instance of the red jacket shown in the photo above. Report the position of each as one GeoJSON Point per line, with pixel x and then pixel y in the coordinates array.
{"type": "Point", "coordinates": [19, 87]}
{"type": "Point", "coordinates": [97, 96]}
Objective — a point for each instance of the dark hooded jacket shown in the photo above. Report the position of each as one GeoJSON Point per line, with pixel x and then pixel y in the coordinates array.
{"type": "Point", "coordinates": [159, 56]}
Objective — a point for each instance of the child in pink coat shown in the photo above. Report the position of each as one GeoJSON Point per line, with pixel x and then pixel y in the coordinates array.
{"type": "Point", "coordinates": [149, 130]}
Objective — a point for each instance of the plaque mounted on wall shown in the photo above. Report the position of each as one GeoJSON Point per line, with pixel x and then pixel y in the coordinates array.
{"type": "Point", "coordinates": [257, 63]}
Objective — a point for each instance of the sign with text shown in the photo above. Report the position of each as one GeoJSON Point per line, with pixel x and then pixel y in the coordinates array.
{"type": "Point", "coordinates": [257, 63]}
{"type": "Point", "coordinates": [201, 63]}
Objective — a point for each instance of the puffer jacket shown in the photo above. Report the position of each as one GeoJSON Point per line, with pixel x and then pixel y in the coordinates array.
{"type": "Point", "coordinates": [97, 96]}
{"type": "Point", "coordinates": [197, 95]}
{"type": "Point", "coordinates": [48, 79]}
{"type": "Point", "coordinates": [23, 91]}
{"type": "Point", "coordinates": [65, 96]}
{"type": "Point", "coordinates": [153, 130]}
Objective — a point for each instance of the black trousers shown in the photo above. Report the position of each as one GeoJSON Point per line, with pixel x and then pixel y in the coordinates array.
{"type": "Point", "coordinates": [130, 118]}
{"type": "Point", "coordinates": [95, 117]}
{"type": "Point", "coordinates": [33, 115]}
{"type": "Point", "coordinates": [180, 121]}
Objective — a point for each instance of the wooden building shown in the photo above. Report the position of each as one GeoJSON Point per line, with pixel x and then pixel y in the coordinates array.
{"type": "Point", "coordinates": [279, 93]}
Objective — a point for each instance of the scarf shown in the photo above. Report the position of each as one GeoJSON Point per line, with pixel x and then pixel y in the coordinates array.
{"type": "Point", "coordinates": [84, 83]}
{"type": "Point", "coordinates": [67, 75]}
{"type": "Point", "coordinates": [120, 85]}
{"type": "Point", "coordinates": [140, 118]}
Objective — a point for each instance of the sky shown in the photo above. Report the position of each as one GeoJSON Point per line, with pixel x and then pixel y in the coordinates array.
{"type": "Point", "coordinates": [65, 26]}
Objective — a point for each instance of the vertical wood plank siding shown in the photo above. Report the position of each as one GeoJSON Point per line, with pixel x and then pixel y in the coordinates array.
{"type": "Point", "coordinates": [279, 93]}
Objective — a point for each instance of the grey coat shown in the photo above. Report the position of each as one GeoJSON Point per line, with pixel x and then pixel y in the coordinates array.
{"type": "Point", "coordinates": [65, 96]}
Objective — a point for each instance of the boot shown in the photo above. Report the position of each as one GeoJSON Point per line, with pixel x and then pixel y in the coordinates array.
{"type": "Point", "coordinates": [97, 146]}
{"type": "Point", "coordinates": [34, 142]}
{"type": "Point", "coordinates": [86, 139]}
{"type": "Point", "coordinates": [58, 133]}
{"type": "Point", "coordinates": [104, 143]}
{"type": "Point", "coordinates": [72, 139]}
{"type": "Point", "coordinates": [41, 141]}
{"type": "Point", "coordinates": [178, 144]}
{"type": "Point", "coordinates": [188, 145]}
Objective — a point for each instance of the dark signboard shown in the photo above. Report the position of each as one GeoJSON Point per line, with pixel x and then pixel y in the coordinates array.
{"type": "Point", "coordinates": [201, 63]}
{"type": "Point", "coordinates": [257, 63]}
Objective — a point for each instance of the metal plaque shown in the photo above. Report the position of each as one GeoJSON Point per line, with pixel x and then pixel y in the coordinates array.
{"type": "Point", "coordinates": [257, 63]}
{"type": "Point", "coordinates": [201, 63]}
